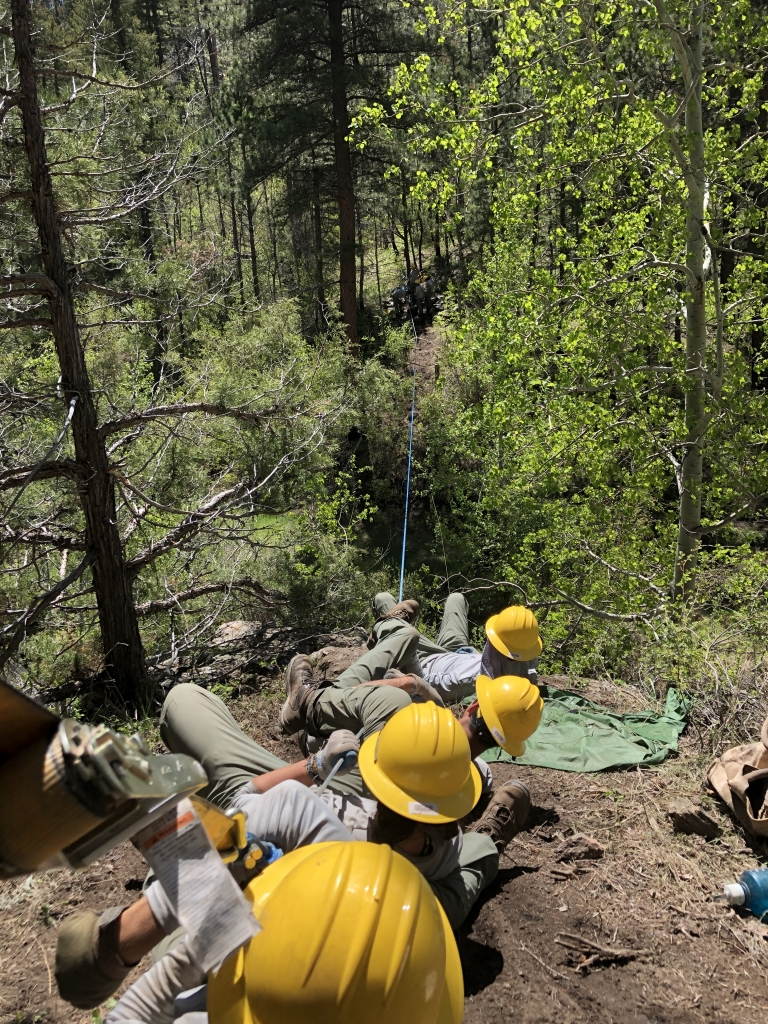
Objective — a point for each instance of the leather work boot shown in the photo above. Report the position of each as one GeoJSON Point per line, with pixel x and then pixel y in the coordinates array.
{"type": "Point", "coordinates": [505, 815]}
{"type": "Point", "coordinates": [407, 610]}
{"type": "Point", "coordinates": [299, 687]}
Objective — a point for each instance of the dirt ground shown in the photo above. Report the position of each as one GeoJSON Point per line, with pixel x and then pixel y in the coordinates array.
{"type": "Point", "coordinates": [653, 893]}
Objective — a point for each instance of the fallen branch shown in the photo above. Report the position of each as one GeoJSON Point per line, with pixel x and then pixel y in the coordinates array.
{"type": "Point", "coordinates": [192, 523]}
{"type": "Point", "coordinates": [571, 871]}
{"type": "Point", "coordinates": [610, 616]}
{"type": "Point", "coordinates": [248, 585]}
{"type": "Point", "coordinates": [552, 971]}
{"type": "Point", "coordinates": [242, 412]}
{"type": "Point", "coordinates": [595, 952]}
{"type": "Point", "coordinates": [44, 470]}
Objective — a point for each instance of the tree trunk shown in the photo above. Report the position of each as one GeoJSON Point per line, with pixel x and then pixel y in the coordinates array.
{"type": "Point", "coordinates": [347, 297]}
{"type": "Point", "coordinates": [235, 235]}
{"type": "Point", "coordinates": [318, 225]}
{"type": "Point", "coordinates": [696, 419]}
{"type": "Point", "coordinates": [213, 54]}
{"type": "Point", "coordinates": [272, 231]}
{"type": "Point", "coordinates": [123, 650]}
{"type": "Point", "coordinates": [376, 258]}
{"type": "Point", "coordinates": [362, 260]}
{"type": "Point", "coordinates": [405, 231]}
{"type": "Point", "coordinates": [252, 240]}
{"type": "Point", "coordinates": [161, 341]}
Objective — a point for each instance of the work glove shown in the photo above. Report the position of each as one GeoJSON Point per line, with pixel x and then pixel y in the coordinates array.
{"type": "Point", "coordinates": [342, 746]}
{"type": "Point", "coordinates": [422, 691]}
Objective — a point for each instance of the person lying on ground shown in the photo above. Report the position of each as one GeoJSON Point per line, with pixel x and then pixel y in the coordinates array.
{"type": "Point", "coordinates": [94, 953]}
{"type": "Point", "coordinates": [506, 711]}
{"type": "Point", "coordinates": [450, 665]}
{"type": "Point", "coordinates": [195, 721]}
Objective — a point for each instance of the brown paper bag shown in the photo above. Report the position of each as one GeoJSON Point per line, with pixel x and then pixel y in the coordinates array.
{"type": "Point", "coordinates": [740, 779]}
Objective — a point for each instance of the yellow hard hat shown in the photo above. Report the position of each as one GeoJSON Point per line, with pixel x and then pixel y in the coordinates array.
{"type": "Point", "coordinates": [420, 766]}
{"type": "Point", "coordinates": [514, 632]}
{"type": "Point", "coordinates": [352, 934]}
{"type": "Point", "coordinates": [512, 708]}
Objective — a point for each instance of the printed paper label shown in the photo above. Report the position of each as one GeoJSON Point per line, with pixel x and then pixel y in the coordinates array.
{"type": "Point", "coordinates": [203, 894]}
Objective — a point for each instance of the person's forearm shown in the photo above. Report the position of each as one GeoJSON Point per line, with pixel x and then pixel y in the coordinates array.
{"type": "Point", "coordinates": [296, 771]}
{"type": "Point", "coordinates": [399, 683]}
{"type": "Point", "coordinates": [137, 932]}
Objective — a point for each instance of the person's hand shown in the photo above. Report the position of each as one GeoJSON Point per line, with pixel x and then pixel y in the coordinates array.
{"type": "Point", "coordinates": [342, 746]}
{"type": "Point", "coordinates": [421, 690]}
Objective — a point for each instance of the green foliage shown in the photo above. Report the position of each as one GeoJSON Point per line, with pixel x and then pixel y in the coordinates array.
{"type": "Point", "coordinates": [526, 153]}
{"type": "Point", "coordinates": [551, 449]}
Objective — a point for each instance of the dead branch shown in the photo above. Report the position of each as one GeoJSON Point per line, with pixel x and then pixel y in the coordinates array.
{"type": "Point", "coordinates": [610, 616]}
{"type": "Point", "coordinates": [41, 535]}
{"type": "Point", "coordinates": [17, 631]}
{"type": "Point", "coordinates": [247, 585]}
{"type": "Point", "coordinates": [241, 412]}
{"type": "Point", "coordinates": [624, 572]}
{"type": "Point", "coordinates": [10, 197]}
{"type": "Point", "coordinates": [552, 971]}
{"type": "Point", "coordinates": [192, 523]}
{"type": "Point", "coordinates": [595, 952]}
{"type": "Point", "coordinates": [22, 321]}
{"type": "Point", "coordinates": [28, 284]}
{"type": "Point", "coordinates": [7, 104]}
{"type": "Point", "coordinates": [18, 476]}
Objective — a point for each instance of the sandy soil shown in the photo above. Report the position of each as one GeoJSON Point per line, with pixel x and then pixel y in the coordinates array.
{"type": "Point", "coordinates": [652, 893]}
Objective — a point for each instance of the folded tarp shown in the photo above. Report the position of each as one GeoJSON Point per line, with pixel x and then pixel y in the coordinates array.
{"type": "Point", "coordinates": [576, 735]}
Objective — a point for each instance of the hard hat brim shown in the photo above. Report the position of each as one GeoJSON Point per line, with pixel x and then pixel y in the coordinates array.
{"type": "Point", "coordinates": [514, 747]}
{"type": "Point", "coordinates": [452, 1001]}
{"type": "Point", "coordinates": [501, 647]}
{"type": "Point", "coordinates": [449, 808]}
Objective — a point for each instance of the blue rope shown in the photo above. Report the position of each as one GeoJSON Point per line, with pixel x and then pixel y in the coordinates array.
{"type": "Point", "coordinates": [410, 459]}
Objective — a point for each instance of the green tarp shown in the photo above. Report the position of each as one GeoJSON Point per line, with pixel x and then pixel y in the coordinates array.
{"type": "Point", "coordinates": [576, 735]}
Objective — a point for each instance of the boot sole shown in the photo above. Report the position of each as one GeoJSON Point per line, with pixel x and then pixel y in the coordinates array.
{"type": "Point", "coordinates": [297, 726]}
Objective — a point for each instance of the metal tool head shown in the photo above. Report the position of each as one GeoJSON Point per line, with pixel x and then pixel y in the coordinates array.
{"type": "Point", "coordinates": [71, 792]}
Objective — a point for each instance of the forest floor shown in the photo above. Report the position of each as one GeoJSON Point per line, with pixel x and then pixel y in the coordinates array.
{"type": "Point", "coordinates": [426, 356]}
{"type": "Point", "coordinates": [653, 891]}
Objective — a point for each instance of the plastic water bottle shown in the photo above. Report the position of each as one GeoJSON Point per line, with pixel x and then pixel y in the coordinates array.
{"type": "Point", "coordinates": [750, 892]}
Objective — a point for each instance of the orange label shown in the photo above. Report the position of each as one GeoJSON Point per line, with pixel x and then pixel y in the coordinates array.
{"type": "Point", "coordinates": [169, 829]}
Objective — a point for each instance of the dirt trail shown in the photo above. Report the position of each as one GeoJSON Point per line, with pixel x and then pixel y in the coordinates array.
{"type": "Point", "coordinates": [653, 891]}
{"type": "Point", "coordinates": [426, 356]}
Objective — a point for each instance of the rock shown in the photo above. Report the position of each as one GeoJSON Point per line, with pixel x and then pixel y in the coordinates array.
{"type": "Point", "coordinates": [250, 653]}
{"type": "Point", "coordinates": [329, 662]}
{"type": "Point", "coordinates": [235, 632]}
{"type": "Point", "coordinates": [579, 847]}
{"type": "Point", "coordinates": [689, 819]}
